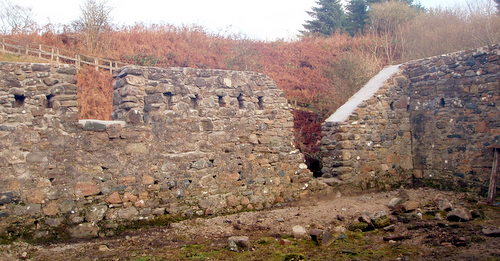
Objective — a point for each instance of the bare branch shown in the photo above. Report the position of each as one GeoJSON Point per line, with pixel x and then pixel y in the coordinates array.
{"type": "Point", "coordinates": [95, 18]}
{"type": "Point", "coordinates": [15, 18]}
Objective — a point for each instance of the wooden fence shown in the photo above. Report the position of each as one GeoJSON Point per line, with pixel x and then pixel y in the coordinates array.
{"type": "Point", "coordinates": [57, 55]}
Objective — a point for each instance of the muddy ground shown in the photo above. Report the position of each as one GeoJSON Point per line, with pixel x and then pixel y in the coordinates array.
{"type": "Point", "coordinates": [418, 230]}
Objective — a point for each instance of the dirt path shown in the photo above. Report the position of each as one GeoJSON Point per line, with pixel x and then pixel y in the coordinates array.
{"type": "Point", "coordinates": [332, 214]}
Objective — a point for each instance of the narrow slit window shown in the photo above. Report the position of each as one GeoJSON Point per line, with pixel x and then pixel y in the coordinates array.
{"type": "Point", "coordinates": [260, 102]}
{"type": "Point", "coordinates": [221, 101]}
{"type": "Point", "coordinates": [194, 102]}
{"type": "Point", "coordinates": [442, 103]}
{"type": "Point", "coordinates": [49, 100]}
{"type": "Point", "coordinates": [241, 101]}
{"type": "Point", "coordinates": [19, 100]}
{"type": "Point", "coordinates": [170, 98]}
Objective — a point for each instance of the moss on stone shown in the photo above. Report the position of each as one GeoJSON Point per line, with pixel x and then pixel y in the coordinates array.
{"type": "Point", "coordinates": [382, 222]}
{"type": "Point", "coordinates": [359, 226]}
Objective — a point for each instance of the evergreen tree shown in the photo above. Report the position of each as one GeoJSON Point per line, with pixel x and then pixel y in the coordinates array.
{"type": "Point", "coordinates": [328, 18]}
{"type": "Point", "coordinates": [357, 16]}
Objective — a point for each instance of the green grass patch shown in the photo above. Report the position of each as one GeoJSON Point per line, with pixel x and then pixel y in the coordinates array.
{"type": "Point", "coordinates": [355, 245]}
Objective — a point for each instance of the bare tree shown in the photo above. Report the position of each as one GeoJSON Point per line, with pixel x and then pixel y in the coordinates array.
{"type": "Point", "coordinates": [482, 15]}
{"type": "Point", "coordinates": [446, 30]}
{"type": "Point", "coordinates": [15, 18]}
{"type": "Point", "coordinates": [386, 20]}
{"type": "Point", "coordinates": [94, 20]}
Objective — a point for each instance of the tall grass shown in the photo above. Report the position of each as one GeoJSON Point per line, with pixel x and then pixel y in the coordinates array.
{"type": "Point", "coordinates": [442, 30]}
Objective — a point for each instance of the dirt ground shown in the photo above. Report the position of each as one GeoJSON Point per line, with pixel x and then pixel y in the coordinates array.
{"type": "Point", "coordinates": [416, 235]}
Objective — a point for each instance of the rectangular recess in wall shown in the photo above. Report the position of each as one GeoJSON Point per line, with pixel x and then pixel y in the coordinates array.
{"type": "Point", "coordinates": [170, 98]}
{"type": "Point", "coordinates": [241, 101]}
{"type": "Point", "coordinates": [18, 101]}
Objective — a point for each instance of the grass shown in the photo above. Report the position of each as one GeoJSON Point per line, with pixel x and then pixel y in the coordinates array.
{"type": "Point", "coordinates": [5, 57]}
{"type": "Point", "coordinates": [355, 245]}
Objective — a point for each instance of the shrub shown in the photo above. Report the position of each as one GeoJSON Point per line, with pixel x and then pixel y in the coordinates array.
{"type": "Point", "coordinates": [94, 94]}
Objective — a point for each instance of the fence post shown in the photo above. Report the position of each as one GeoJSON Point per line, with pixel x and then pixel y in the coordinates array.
{"type": "Point", "coordinates": [52, 54]}
{"type": "Point", "coordinates": [111, 67]}
{"type": "Point", "coordinates": [77, 62]}
{"type": "Point", "coordinates": [57, 55]}
{"type": "Point", "coordinates": [3, 45]}
{"type": "Point", "coordinates": [39, 51]}
{"type": "Point", "coordinates": [96, 62]}
{"type": "Point", "coordinates": [27, 49]}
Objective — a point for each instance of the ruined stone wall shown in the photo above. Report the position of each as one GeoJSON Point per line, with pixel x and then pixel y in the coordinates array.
{"type": "Point", "coordinates": [189, 143]}
{"type": "Point", "coordinates": [435, 119]}
{"type": "Point", "coordinates": [455, 115]}
{"type": "Point", "coordinates": [373, 147]}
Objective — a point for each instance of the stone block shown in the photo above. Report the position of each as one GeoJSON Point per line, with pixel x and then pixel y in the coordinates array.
{"type": "Point", "coordinates": [137, 148]}
{"type": "Point", "coordinates": [50, 81]}
{"type": "Point", "coordinates": [37, 67]}
{"type": "Point", "coordinates": [321, 237]}
{"type": "Point", "coordinates": [84, 230]}
{"type": "Point", "coordinates": [7, 198]}
{"type": "Point", "coordinates": [35, 196]}
{"type": "Point", "coordinates": [37, 157]}
{"type": "Point", "coordinates": [238, 243]}
{"type": "Point", "coordinates": [135, 80]}
{"type": "Point", "coordinates": [128, 213]}
{"type": "Point", "coordinates": [83, 189]}
{"type": "Point", "coordinates": [100, 125]}
{"type": "Point", "coordinates": [27, 210]}
{"type": "Point", "coordinates": [96, 213]}
{"type": "Point", "coordinates": [67, 70]}
{"type": "Point", "coordinates": [114, 198]}
{"type": "Point", "coordinates": [147, 180]}
{"type": "Point", "coordinates": [51, 209]}
{"type": "Point", "coordinates": [299, 232]}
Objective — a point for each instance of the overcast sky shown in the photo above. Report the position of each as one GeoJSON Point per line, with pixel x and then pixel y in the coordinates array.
{"type": "Point", "coordinates": [257, 19]}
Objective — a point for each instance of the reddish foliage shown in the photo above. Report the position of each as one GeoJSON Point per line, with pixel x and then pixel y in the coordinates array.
{"type": "Point", "coordinates": [95, 94]}
{"type": "Point", "coordinates": [304, 69]}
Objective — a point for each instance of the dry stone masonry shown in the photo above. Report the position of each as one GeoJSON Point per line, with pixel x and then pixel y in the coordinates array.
{"type": "Point", "coordinates": [433, 121]}
{"type": "Point", "coordinates": [373, 147]}
{"type": "Point", "coordinates": [185, 142]}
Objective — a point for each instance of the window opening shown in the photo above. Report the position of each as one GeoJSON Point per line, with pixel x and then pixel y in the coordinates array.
{"type": "Point", "coordinates": [170, 102]}
{"type": "Point", "coordinates": [241, 101]}
{"type": "Point", "coordinates": [260, 103]}
{"type": "Point", "coordinates": [49, 100]}
{"type": "Point", "coordinates": [19, 100]}
{"type": "Point", "coordinates": [221, 101]}
{"type": "Point", "coordinates": [194, 102]}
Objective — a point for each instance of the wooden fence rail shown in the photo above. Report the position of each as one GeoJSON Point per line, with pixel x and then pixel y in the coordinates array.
{"type": "Point", "coordinates": [57, 55]}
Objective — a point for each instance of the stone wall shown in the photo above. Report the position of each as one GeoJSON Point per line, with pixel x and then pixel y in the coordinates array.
{"type": "Point", "coordinates": [455, 115]}
{"type": "Point", "coordinates": [373, 147]}
{"type": "Point", "coordinates": [435, 120]}
{"type": "Point", "coordinates": [189, 143]}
